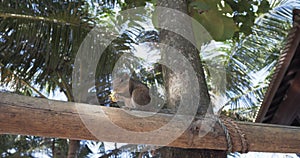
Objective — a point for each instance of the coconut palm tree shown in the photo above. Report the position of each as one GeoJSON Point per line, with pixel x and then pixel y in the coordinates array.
{"type": "Point", "coordinates": [39, 41]}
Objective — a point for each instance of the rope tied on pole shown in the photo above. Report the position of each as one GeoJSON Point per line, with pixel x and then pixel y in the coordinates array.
{"type": "Point", "coordinates": [235, 138]}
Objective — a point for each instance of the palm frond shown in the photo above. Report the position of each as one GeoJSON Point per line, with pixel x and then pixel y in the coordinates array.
{"type": "Point", "coordinates": [40, 40]}
{"type": "Point", "coordinates": [256, 53]}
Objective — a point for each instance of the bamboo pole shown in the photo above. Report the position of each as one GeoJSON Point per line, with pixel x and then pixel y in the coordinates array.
{"type": "Point", "coordinates": [47, 118]}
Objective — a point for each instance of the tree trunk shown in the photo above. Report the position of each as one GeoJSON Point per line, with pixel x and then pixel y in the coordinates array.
{"type": "Point", "coordinates": [174, 86]}
{"type": "Point", "coordinates": [168, 152]}
{"type": "Point", "coordinates": [74, 146]}
{"type": "Point", "coordinates": [186, 48]}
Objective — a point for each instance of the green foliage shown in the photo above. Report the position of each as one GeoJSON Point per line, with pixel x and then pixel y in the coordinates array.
{"type": "Point", "coordinates": [134, 3]}
{"type": "Point", "coordinates": [249, 61]}
{"type": "Point", "coordinates": [38, 44]}
{"type": "Point", "coordinates": [22, 146]}
{"type": "Point", "coordinates": [254, 57]}
{"type": "Point", "coordinates": [212, 15]}
{"type": "Point", "coordinates": [242, 114]}
{"type": "Point", "coordinates": [225, 19]}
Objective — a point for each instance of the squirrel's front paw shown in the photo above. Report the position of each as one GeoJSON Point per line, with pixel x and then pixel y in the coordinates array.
{"type": "Point", "coordinates": [114, 96]}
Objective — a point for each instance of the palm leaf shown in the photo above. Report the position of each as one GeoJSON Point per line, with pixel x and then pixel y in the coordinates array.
{"type": "Point", "coordinates": [254, 57]}
{"type": "Point", "coordinates": [39, 41]}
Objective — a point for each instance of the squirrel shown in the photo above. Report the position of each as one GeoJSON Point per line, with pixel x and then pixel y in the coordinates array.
{"type": "Point", "coordinates": [132, 92]}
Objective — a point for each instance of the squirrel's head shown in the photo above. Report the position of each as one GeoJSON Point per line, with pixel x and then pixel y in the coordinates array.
{"type": "Point", "coordinates": [120, 83]}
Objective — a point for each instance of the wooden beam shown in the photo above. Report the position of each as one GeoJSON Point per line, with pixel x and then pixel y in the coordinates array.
{"type": "Point", "coordinates": [41, 117]}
